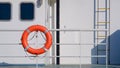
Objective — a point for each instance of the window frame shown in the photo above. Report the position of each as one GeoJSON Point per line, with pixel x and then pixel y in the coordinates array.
{"type": "Point", "coordinates": [33, 15]}
{"type": "Point", "coordinates": [10, 12]}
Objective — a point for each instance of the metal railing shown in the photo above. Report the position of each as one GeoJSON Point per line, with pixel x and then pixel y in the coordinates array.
{"type": "Point", "coordinates": [68, 44]}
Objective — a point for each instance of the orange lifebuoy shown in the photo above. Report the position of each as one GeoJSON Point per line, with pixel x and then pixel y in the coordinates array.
{"type": "Point", "coordinates": [35, 50]}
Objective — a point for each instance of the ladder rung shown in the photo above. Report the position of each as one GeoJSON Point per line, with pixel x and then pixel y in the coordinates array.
{"type": "Point", "coordinates": [101, 50]}
{"type": "Point", "coordinates": [102, 36]}
{"type": "Point", "coordinates": [100, 11]}
{"type": "Point", "coordinates": [99, 56]}
{"type": "Point", "coordinates": [101, 44]}
{"type": "Point", "coordinates": [103, 8]}
{"type": "Point", "coordinates": [100, 25]}
{"type": "Point", "coordinates": [103, 22]}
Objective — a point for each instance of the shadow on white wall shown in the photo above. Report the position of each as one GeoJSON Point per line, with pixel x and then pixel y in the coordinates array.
{"type": "Point", "coordinates": [114, 47]}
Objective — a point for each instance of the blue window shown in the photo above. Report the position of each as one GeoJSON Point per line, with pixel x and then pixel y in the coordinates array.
{"type": "Point", "coordinates": [27, 11]}
{"type": "Point", "coordinates": [5, 11]}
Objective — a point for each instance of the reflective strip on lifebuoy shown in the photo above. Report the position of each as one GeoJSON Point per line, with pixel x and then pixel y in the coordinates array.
{"type": "Point", "coordinates": [39, 50]}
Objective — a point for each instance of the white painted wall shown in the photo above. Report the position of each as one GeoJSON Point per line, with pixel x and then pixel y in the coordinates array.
{"type": "Point", "coordinates": [74, 14]}
{"type": "Point", "coordinates": [15, 37]}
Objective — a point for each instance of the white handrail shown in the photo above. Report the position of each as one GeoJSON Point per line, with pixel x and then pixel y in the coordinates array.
{"type": "Point", "coordinates": [89, 30]}
{"type": "Point", "coordinates": [55, 44]}
{"type": "Point", "coordinates": [53, 56]}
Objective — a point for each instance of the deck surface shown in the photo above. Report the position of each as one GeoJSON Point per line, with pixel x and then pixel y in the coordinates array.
{"type": "Point", "coordinates": [62, 66]}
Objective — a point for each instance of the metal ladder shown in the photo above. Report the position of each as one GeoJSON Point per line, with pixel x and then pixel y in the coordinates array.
{"type": "Point", "coordinates": [102, 22]}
